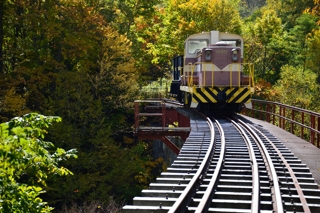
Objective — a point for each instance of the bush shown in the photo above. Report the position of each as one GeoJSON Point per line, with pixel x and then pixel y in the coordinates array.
{"type": "Point", "coordinates": [92, 207]}
{"type": "Point", "coordinates": [26, 161]}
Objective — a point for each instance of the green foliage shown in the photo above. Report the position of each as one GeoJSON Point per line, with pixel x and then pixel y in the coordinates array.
{"type": "Point", "coordinates": [298, 38]}
{"type": "Point", "coordinates": [26, 162]}
{"type": "Point", "coordinates": [290, 10]}
{"type": "Point", "coordinates": [115, 84]}
{"type": "Point", "coordinates": [93, 206]}
{"type": "Point", "coordinates": [271, 45]}
{"type": "Point", "coordinates": [125, 16]}
{"type": "Point", "coordinates": [127, 10]}
{"type": "Point", "coordinates": [156, 89]}
{"type": "Point", "coordinates": [297, 87]}
{"type": "Point", "coordinates": [104, 169]}
{"type": "Point", "coordinates": [188, 17]}
{"type": "Point", "coordinates": [313, 55]}
{"type": "Point", "coordinates": [12, 103]}
{"type": "Point", "coordinates": [249, 7]}
{"type": "Point", "coordinates": [266, 29]}
{"type": "Point", "coordinates": [267, 26]}
{"type": "Point", "coordinates": [162, 36]}
{"type": "Point", "coordinates": [148, 50]}
{"type": "Point", "coordinates": [85, 61]}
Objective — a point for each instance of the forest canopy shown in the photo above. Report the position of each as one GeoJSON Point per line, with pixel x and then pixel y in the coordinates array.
{"type": "Point", "coordinates": [86, 61]}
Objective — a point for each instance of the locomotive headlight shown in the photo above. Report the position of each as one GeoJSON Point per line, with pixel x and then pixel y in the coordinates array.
{"type": "Point", "coordinates": [208, 54]}
{"type": "Point", "coordinates": [234, 54]}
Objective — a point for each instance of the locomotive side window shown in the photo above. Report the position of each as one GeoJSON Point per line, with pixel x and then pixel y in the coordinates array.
{"type": "Point", "coordinates": [196, 45]}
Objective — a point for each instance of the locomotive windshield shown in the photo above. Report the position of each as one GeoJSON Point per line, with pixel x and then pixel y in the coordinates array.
{"type": "Point", "coordinates": [196, 45]}
{"type": "Point", "coordinates": [236, 43]}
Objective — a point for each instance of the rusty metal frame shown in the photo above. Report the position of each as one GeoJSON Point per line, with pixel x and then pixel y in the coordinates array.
{"type": "Point", "coordinates": [158, 132]}
{"type": "Point", "coordinates": [265, 109]}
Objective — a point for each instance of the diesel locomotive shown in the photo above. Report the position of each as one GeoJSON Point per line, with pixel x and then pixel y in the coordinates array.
{"type": "Point", "coordinates": [211, 75]}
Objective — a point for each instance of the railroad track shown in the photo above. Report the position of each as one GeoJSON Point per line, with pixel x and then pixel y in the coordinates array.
{"type": "Point", "coordinates": [228, 165]}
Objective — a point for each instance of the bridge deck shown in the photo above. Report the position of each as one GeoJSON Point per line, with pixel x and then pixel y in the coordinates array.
{"type": "Point", "coordinates": [305, 151]}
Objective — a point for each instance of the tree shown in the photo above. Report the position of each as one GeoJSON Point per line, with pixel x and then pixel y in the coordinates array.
{"type": "Point", "coordinates": [115, 84]}
{"type": "Point", "coordinates": [270, 46]}
{"type": "Point", "coordinates": [266, 28]}
{"type": "Point", "coordinates": [65, 58]}
{"type": "Point", "coordinates": [313, 41]}
{"type": "Point", "coordinates": [127, 10]}
{"type": "Point", "coordinates": [300, 33]}
{"type": "Point", "coordinates": [189, 17]}
{"type": "Point", "coordinates": [263, 39]}
{"type": "Point", "coordinates": [162, 36]}
{"type": "Point", "coordinates": [313, 55]}
{"type": "Point", "coordinates": [297, 87]}
{"type": "Point", "coordinates": [253, 4]}
{"type": "Point", "coordinates": [146, 32]}
{"type": "Point", "coordinates": [289, 10]}
{"type": "Point", "coordinates": [26, 161]}
{"type": "Point", "coordinates": [248, 8]}
{"type": "Point", "coordinates": [1, 34]}
{"type": "Point", "coordinates": [123, 15]}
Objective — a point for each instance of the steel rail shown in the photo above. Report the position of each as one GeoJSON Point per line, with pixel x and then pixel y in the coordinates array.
{"type": "Point", "coordinates": [303, 200]}
{"type": "Point", "coordinates": [181, 204]}
{"type": "Point", "coordinates": [255, 206]}
{"type": "Point", "coordinates": [276, 195]}
{"type": "Point", "coordinates": [206, 199]}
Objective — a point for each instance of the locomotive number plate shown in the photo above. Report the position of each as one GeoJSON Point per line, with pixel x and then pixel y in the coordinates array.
{"type": "Point", "coordinates": [222, 51]}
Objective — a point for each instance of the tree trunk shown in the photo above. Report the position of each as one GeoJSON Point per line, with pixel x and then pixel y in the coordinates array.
{"type": "Point", "coordinates": [1, 34]}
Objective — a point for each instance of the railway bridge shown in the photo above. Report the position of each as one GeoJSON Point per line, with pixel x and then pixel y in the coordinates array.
{"type": "Point", "coordinates": [235, 163]}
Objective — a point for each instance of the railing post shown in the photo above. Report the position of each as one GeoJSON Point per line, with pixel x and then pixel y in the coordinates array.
{"type": "Point", "coordinates": [260, 114]}
{"type": "Point", "coordinates": [136, 115]}
{"type": "Point", "coordinates": [312, 133]}
{"type": "Point", "coordinates": [280, 119]}
{"type": "Point", "coordinates": [302, 128]}
{"type": "Point", "coordinates": [284, 118]}
{"type": "Point", "coordinates": [274, 112]}
{"type": "Point", "coordinates": [292, 124]}
{"type": "Point", "coordinates": [163, 114]}
{"type": "Point", "coordinates": [318, 135]}
{"type": "Point", "coordinates": [268, 113]}
{"type": "Point", "coordinates": [252, 110]}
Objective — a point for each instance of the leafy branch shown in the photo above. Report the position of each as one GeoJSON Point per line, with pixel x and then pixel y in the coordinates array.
{"type": "Point", "coordinates": [26, 161]}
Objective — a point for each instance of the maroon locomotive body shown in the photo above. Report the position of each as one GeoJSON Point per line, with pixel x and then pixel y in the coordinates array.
{"type": "Point", "coordinates": [211, 74]}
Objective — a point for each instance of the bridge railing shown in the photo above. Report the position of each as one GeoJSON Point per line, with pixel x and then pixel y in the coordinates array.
{"type": "Point", "coordinates": [300, 122]}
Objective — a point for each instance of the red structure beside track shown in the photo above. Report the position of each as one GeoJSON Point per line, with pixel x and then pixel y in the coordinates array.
{"type": "Point", "coordinates": [170, 122]}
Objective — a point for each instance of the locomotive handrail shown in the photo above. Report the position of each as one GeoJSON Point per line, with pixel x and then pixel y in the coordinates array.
{"type": "Point", "coordinates": [251, 73]}
{"type": "Point", "coordinates": [289, 117]}
{"type": "Point", "coordinates": [190, 79]}
{"type": "Point", "coordinates": [192, 67]}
